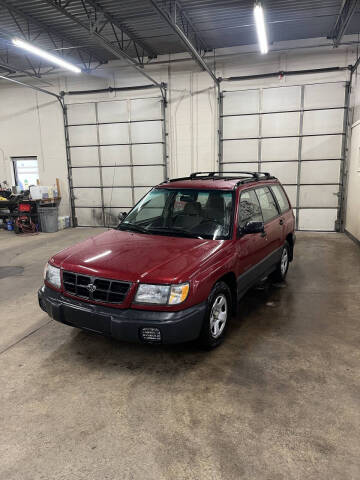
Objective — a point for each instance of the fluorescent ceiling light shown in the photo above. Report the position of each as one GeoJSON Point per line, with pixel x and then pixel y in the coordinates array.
{"type": "Point", "coordinates": [260, 28]}
{"type": "Point", "coordinates": [43, 54]}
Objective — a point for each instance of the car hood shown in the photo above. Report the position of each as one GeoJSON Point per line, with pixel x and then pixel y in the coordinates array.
{"type": "Point", "coordinates": [134, 256]}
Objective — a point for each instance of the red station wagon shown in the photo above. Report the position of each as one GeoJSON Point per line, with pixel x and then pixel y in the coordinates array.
{"type": "Point", "coordinates": [177, 264]}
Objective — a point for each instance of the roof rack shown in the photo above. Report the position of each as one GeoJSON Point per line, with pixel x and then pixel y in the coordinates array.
{"type": "Point", "coordinates": [243, 177]}
{"type": "Point", "coordinates": [212, 174]}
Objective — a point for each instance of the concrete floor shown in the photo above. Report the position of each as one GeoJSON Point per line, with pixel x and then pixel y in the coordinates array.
{"type": "Point", "coordinates": [278, 400]}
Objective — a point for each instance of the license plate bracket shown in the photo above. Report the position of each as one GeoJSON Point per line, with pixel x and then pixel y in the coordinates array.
{"type": "Point", "coordinates": [87, 320]}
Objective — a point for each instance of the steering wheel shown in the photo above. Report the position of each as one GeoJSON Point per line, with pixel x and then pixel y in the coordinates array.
{"type": "Point", "coordinates": [206, 220]}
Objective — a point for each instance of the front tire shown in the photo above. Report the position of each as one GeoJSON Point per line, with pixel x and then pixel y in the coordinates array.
{"type": "Point", "coordinates": [282, 267]}
{"type": "Point", "coordinates": [217, 316]}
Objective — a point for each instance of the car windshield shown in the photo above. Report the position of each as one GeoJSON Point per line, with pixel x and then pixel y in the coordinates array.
{"type": "Point", "coordinates": [189, 213]}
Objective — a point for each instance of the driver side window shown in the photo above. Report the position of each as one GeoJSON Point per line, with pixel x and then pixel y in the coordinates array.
{"type": "Point", "coordinates": [249, 208]}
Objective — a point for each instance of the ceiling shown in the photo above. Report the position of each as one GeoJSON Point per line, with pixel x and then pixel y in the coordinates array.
{"type": "Point", "coordinates": [136, 27]}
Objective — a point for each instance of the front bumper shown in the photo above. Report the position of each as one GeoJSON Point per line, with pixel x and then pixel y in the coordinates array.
{"type": "Point", "coordinates": [175, 327]}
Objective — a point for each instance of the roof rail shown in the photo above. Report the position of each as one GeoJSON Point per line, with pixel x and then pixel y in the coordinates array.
{"type": "Point", "coordinates": [207, 174]}
{"type": "Point", "coordinates": [243, 176]}
{"type": "Point", "coordinates": [224, 174]}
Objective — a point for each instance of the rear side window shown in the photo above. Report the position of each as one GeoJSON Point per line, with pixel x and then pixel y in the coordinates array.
{"type": "Point", "coordinates": [267, 203]}
{"type": "Point", "coordinates": [249, 208]}
{"type": "Point", "coordinates": [281, 198]}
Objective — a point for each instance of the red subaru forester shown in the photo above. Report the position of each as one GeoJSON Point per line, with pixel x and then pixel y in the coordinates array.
{"type": "Point", "coordinates": [176, 266]}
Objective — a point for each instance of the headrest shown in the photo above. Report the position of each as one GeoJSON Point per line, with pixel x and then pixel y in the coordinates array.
{"type": "Point", "coordinates": [192, 208]}
{"type": "Point", "coordinates": [215, 201]}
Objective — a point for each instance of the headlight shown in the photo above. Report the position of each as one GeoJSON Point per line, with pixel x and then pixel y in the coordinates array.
{"type": "Point", "coordinates": [162, 294]}
{"type": "Point", "coordinates": [52, 275]}
{"type": "Point", "coordinates": [152, 294]}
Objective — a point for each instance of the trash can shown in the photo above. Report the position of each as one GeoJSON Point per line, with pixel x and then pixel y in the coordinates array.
{"type": "Point", "coordinates": [48, 219]}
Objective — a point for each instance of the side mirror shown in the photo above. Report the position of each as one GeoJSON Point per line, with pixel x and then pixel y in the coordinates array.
{"type": "Point", "coordinates": [252, 227]}
{"type": "Point", "coordinates": [122, 215]}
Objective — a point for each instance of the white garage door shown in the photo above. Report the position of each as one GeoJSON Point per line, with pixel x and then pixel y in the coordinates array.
{"type": "Point", "coordinates": [296, 133]}
{"type": "Point", "coordinates": [117, 153]}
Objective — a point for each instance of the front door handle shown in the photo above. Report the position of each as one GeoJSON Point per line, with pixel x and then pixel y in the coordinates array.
{"type": "Point", "coordinates": [281, 221]}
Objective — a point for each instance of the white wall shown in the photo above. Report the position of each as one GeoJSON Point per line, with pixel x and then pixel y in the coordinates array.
{"type": "Point", "coordinates": [31, 122]}
{"type": "Point", "coordinates": [353, 192]}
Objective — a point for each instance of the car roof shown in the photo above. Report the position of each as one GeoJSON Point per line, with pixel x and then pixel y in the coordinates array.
{"type": "Point", "coordinates": [218, 180]}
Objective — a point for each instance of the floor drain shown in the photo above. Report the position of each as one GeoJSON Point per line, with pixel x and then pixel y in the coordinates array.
{"type": "Point", "coordinates": [10, 271]}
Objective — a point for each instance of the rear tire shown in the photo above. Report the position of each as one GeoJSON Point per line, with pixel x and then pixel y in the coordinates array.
{"type": "Point", "coordinates": [217, 316]}
{"type": "Point", "coordinates": [282, 267]}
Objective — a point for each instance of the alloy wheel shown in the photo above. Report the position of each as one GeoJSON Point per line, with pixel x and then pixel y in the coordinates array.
{"type": "Point", "coordinates": [218, 315]}
{"type": "Point", "coordinates": [284, 262]}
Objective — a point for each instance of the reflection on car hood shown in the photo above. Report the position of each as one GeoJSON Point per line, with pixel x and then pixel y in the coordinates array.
{"type": "Point", "coordinates": [134, 256]}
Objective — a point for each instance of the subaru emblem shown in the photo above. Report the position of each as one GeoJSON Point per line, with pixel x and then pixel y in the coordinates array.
{"type": "Point", "coordinates": [91, 287]}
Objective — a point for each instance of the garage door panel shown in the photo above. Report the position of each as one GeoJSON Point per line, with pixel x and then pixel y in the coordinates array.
{"type": "Point", "coordinates": [145, 154]}
{"type": "Point", "coordinates": [87, 197]}
{"type": "Point", "coordinates": [286, 172]}
{"type": "Point", "coordinates": [277, 149]}
{"type": "Point", "coordinates": [317, 219]}
{"type": "Point", "coordinates": [315, 137]}
{"type": "Point", "coordinates": [280, 124]}
{"type": "Point", "coordinates": [139, 192]}
{"type": "Point", "coordinates": [93, 217]}
{"type": "Point", "coordinates": [240, 167]}
{"type": "Point", "coordinates": [240, 151]}
{"type": "Point", "coordinates": [86, 177]}
{"type": "Point", "coordinates": [281, 98]}
{"type": "Point", "coordinates": [314, 196]}
{"type": "Point", "coordinates": [80, 113]}
{"type": "Point", "coordinates": [114, 133]}
{"type": "Point", "coordinates": [320, 172]}
{"type": "Point", "coordinates": [321, 147]}
{"type": "Point", "coordinates": [324, 95]}
{"type": "Point", "coordinates": [84, 156]}
{"type": "Point", "coordinates": [241, 126]}
{"type": "Point", "coordinates": [112, 216]}
{"type": "Point", "coordinates": [148, 175]}
{"type": "Point", "coordinates": [117, 197]}
{"type": "Point", "coordinates": [246, 101]}
{"type": "Point", "coordinates": [115, 155]}
{"type": "Point", "coordinates": [291, 191]}
{"type": "Point", "coordinates": [146, 132]}
{"type": "Point", "coordinates": [323, 121]}
{"type": "Point", "coordinates": [116, 176]}
{"type": "Point", "coordinates": [125, 132]}
{"type": "Point", "coordinates": [83, 135]}
{"type": "Point", "coordinates": [145, 109]}
{"type": "Point", "coordinates": [113, 111]}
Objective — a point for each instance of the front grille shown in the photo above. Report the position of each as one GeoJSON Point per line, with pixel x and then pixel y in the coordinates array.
{"type": "Point", "coordinates": [94, 288]}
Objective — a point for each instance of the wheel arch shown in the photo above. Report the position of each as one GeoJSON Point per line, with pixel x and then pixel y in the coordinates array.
{"type": "Point", "coordinates": [230, 279]}
{"type": "Point", "coordinates": [290, 240]}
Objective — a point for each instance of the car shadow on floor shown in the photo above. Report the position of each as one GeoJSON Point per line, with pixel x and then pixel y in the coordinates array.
{"type": "Point", "coordinates": [254, 319]}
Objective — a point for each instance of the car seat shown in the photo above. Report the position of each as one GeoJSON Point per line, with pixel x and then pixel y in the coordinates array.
{"type": "Point", "coordinates": [190, 217]}
{"type": "Point", "coordinates": [215, 208]}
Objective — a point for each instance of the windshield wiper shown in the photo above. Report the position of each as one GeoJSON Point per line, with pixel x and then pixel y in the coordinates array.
{"type": "Point", "coordinates": [132, 227]}
{"type": "Point", "coordinates": [176, 231]}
